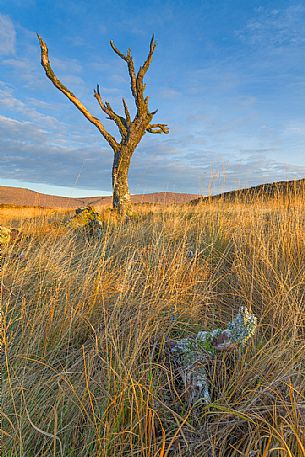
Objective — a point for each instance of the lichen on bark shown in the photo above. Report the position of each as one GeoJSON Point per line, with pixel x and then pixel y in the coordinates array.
{"type": "Point", "coordinates": [88, 219]}
{"type": "Point", "coordinates": [192, 355]}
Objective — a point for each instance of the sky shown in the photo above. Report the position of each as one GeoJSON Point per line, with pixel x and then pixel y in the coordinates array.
{"type": "Point", "coordinates": [228, 77]}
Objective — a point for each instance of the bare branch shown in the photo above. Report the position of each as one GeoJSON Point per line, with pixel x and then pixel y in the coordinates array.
{"type": "Point", "coordinates": [137, 85]}
{"type": "Point", "coordinates": [51, 75]}
{"type": "Point", "coordinates": [157, 128]}
{"type": "Point", "coordinates": [142, 104]}
{"type": "Point", "coordinates": [143, 69]}
{"type": "Point", "coordinates": [128, 59]}
{"type": "Point", "coordinates": [120, 121]}
{"type": "Point", "coordinates": [127, 114]}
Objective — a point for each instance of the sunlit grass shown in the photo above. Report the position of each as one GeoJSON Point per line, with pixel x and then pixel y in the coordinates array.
{"type": "Point", "coordinates": [86, 371]}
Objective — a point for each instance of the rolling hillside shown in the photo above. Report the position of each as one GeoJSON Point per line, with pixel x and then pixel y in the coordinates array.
{"type": "Point", "coordinates": [18, 196]}
{"type": "Point", "coordinates": [24, 197]}
{"type": "Point", "coordinates": [263, 191]}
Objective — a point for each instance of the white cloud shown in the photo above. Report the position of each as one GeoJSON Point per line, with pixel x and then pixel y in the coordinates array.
{"type": "Point", "coordinates": [29, 153]}
{"type": "Point", "coordinates": [169, 92]}
{"type": "Point", "coordinates": [276, 27]}
{"type": "Point", "coordinates": [26, 70]}
{"type": "Point", "coordinates": [15, 105]}
{"type": "Point", "coordinates": [295, 127]}
{"type": "Point", "coordinates": [67, 65]}
{"type": "Point", "coordinates": [7, 36]}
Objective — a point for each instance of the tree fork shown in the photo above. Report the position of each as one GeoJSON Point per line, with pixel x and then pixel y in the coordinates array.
{"type": "Point", "coordinates": [131, 131]}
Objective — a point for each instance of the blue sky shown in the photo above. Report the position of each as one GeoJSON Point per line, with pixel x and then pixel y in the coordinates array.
{"type": "Point", "coordinates": [228, 77]}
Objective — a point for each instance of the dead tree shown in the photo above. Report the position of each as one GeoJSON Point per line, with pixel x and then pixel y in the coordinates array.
{"type": "Point", "coordinates": [131, 130]}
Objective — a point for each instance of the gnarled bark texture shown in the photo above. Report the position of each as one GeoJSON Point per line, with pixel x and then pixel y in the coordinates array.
{"type": "Point", "coordinates": [131, 130]}
{"type": "Point", "coordinates": [191, 355]}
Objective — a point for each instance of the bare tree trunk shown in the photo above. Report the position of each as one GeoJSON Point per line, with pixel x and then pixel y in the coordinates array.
{"type": "Point", "coordinates": [131, 130]}
{"type": "Point", "coordinates": [121, 196]}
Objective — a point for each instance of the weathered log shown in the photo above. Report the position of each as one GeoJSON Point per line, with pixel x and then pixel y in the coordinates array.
{"type": "Point", "coordinates": [192, 355]}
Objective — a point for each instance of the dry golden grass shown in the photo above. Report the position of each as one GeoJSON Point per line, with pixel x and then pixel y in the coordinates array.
{"type": "Point", "coordinates": [16, 216]}
{"type": "Point", "coordinates": [85, 323]}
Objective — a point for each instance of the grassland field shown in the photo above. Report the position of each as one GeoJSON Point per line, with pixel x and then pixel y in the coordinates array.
{"type": "Point", "coordinates": [85, 324]}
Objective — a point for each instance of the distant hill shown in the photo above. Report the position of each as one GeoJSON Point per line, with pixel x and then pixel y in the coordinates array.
{"type": "Point", "coordinates": [24, 197]}
{"type": "Point", "coordinates": [263, 191]}
{"type": "Point", "coordinates": [19, 196]}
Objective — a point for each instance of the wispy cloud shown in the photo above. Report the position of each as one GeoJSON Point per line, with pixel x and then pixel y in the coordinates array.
{"type": "Point", "coordinates": [67, 65]}
{"type": "Point", "coordinates": [276, 26]}
{"type": "Point", "coordinates": [14, 105]}
{"type": "Point", "coordinates": [7, 36]}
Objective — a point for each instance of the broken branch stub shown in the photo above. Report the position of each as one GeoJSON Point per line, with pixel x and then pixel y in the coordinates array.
{"type": "Point", "coordinates": [191, 355]}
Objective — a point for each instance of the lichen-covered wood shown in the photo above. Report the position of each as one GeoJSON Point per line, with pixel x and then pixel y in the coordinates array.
{"type": "Point", "coordinates": [191, 355]}
{"type": "Point", "coordinates": [131, 130]}
{"type": "Point", "coordinates": [89, 219]}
